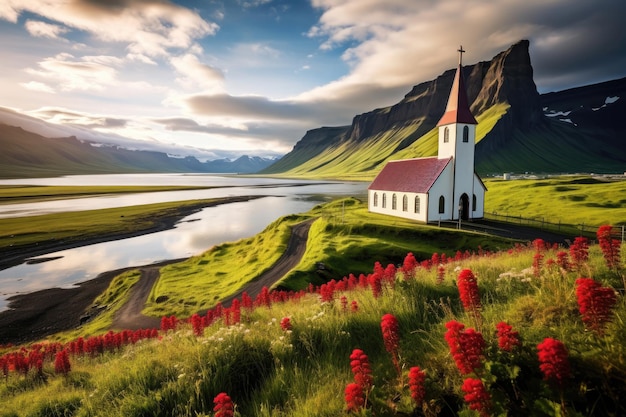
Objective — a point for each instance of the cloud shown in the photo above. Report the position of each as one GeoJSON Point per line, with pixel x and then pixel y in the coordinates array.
{"type": "Point", "coordinates": [148, 27]}
{"type": "Point", "coordinates": [44, 30]}
{"type": "Point", "coordinates": [195, 73]}
{"type": "Point", "coordinates": [37, 86]}
{"type": "Point", "coordinates": [86, 73]}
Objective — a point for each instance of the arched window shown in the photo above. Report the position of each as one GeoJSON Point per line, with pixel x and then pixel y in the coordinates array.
{"type": "Point", "coordinates": [417, 204]}
{"type": "Point", "coordinates": [442, 204]}
{"type": "Point", "coordinates": [394, 202]}
{"type": "Point", "coordinates": [465, 134]}
{"type": "Point", "coordinates": [474, 202]}
{"type": "Point", "coordinates": [446, 134]}
{"type": "Point", "coordinates": [405, 203]}
{"type": "Point", "coordinates": [375, 199]}
{"type": "Point", "coordinates": [384, 200]}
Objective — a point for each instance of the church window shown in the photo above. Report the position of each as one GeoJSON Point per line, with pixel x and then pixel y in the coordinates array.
{"type": "Point", "coordinates": [474, 202]}
{"type": "Point", "coordinates": [394, 202]}
{"type": "Point", "coordinates": [442, 204]}
{"type": "Point", "coordinates": [417, 204]}
{"type": "Point", "coordinates": [465, 134]}
{"type": "Point", "coordinates": [384, 200]}
{"type": "Point", "coordinates": [375, 199]}
{"type": "Point", "coordinates": [446, 135]}
{"type": "Point", "coordinates": [405, 203]}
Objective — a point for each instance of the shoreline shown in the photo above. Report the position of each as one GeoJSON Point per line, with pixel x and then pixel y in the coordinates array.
{"type": "Point", "coordinates": [35, 315]}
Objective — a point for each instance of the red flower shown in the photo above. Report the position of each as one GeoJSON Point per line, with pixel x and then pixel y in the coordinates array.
{"type": "Point", "coordinates": [285, 324]}
{"type": "Point", "coordinates": [441, 273]}
{"type": "Point", "coordinates": [224, 406]}
{"type": "Point", "coordinates": [562, 261]}
{"type": "Point", "coordinates": [610, 247]}
{"type": "Point", "coordinates": [62, 362]}
{"type": "Point", "coordinates": [361, 369]}
{"type": "Point", "coordinates": [466, 347]}
{"type": "Point", "coordinates": [355, 399]}
{"type": "Point", "coordinates": [354, 306]}
{"type": "Point", "coordinates": [417, 377]}
{"type": "Point", "coordinates": [537, 263]}
{"type": "Point", "coordinates": [375, 281]}
{"type": "Point", "coordinates": [468, 291]}
{"type": "Point", "coordinates": [409, 265]}
{"type": "Point", "coordinates": [477, 396]}
{"type": "Point", "coordinates": [507, 338]}
{"type": "Point", "coordinates": [553, 361]}
{"type": "Point", "coordinates": [595, 303]}
{"type": "Point", "coordinates": [391, 336]}
{"type": "Point", "coordinates": [579, 252]}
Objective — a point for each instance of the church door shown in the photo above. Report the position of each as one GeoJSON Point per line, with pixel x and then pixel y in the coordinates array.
{"type": "Point", "coordinates": [464, 207]}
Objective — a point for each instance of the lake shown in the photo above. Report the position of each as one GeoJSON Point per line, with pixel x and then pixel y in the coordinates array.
{"type": "Point", "coordinates": [192, 235]}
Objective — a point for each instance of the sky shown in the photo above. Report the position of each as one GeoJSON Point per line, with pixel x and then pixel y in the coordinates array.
{"type": "Point", "coordinates": [225, 78]}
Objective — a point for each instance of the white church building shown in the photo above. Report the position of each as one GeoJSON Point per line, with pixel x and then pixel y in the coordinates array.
{"type": "Point", "coordinates": [440, 188]}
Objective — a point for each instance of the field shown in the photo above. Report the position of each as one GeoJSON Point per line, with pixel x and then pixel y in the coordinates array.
{"type": "Point", "coordinates": [288, 352]}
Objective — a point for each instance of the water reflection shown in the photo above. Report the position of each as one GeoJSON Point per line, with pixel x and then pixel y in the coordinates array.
{"type": "Point", "coordinates": [193, 235]}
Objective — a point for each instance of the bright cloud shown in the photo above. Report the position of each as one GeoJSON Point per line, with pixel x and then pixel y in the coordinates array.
{"type": "Point", "coordinates": [44, 30]}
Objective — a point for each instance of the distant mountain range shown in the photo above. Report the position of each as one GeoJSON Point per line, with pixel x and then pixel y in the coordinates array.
{"type": "Point", "coordinates": [519, 130]}
{"type": "Point", "coordinates": [25, 154]}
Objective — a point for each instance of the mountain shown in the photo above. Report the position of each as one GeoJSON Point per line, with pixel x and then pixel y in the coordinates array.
{"type": "Point", "coordinates": [27, 154]}
{"type": "Point", "coordinates": [517, 130]}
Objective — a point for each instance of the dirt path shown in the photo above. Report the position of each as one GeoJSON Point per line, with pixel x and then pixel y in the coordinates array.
{"type": "Point", "coordinates": [130, 317]}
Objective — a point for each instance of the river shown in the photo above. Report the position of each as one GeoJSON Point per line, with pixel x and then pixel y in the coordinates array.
{"type": "Point", "coordinates": [192, 235]}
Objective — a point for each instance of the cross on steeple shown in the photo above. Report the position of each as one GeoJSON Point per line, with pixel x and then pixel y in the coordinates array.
{"type": "Point", "coordinates": [461, 50]}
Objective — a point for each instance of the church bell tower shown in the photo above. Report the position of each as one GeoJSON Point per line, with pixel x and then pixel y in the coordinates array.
{"type": "Point", "coordinates": [457, 137]}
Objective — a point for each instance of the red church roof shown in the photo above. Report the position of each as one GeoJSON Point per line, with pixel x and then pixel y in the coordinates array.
{"type": "Point", "coordinates": [457, 110]}
{"type": "Point", "coordinates": [409, 175]}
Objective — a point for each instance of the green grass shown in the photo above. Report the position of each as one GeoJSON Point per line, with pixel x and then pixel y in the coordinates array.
{"type": "Point", "coordinates": [568, 199]}
{"type": "Point", "coordinates": [270, 372]}
{"type": "Point", "coordinates": [77, 226]}
{"type": "Point", "coordinates": [32, 193]}
{"type": "Point", "coordinates": [344, 238]}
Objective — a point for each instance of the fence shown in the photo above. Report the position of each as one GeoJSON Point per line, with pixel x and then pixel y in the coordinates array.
{"type": "Point", "coordinates": [586, 230]}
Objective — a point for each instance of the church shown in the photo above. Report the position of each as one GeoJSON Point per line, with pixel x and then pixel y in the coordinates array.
{"type": "Point", "coordinates": [441, 188]}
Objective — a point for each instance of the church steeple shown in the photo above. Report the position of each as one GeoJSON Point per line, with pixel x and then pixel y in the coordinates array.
{"type": "Point", "coordinates": [457, 110]}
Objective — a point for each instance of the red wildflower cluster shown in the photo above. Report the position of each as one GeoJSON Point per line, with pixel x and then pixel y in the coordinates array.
{"type": "Point", "coordinates": [468, 291]}
{"type": "Point", "coordinates": [391, 337]}
{"type": "Point", "coordinates": [537, 264]}
{"type": "Point", "coordinates": [169, 323]}
{"type": "Point", "coordinates": [477, 396]}
{"type": "Point", "coordinates": [508, 339]}
{"type": "Point", "coordinates": [579, 252]}
{"type": "Point", "coordinates": [417, 377]}
{"type": "Point", "coordinates": [354, 306]}
{"type": "Point", "coordinates": [359, 362]}
{"type": "Point", "coordinates": [466, 346]}
{"type": "Point", "coordinates": [355, 399]}
{"type": "Point", "coordinates": [376, 284]}
{"type": "Point", "coordinates": [553, 361]}
{"type": "Point", "coordinates": [409, 266]}
{"type": "Point", "coordinates": [562, 260]}
{"type": "Point", "coordinates": [610, 247]}
{"type": "Point", "coordinates": [540, 245]}
{"type": "Point", "coordinates": [62, 362]}
{"type": "Point", "coordinates": [595, 303]}
{"type": "Point", "coordinates": [285, 323]}
{"type": "Point", "coordinates": [224, 406]}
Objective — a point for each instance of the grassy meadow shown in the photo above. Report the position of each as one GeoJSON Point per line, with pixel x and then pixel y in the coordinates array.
{"type": "Point", "coordinates": [269, 368]}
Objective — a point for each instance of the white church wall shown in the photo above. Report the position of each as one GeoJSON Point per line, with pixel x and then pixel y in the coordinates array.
{"type": "Point", "coordinates": [479, 192]}
{"type": "Point", "coordinates": [441, 187]}
{"type": "Point", "coordinates": [399, 210]}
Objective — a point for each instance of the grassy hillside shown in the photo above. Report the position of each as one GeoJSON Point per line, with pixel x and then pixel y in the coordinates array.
{"type": "Point", "coordinates": [365, 158]}
{"type": "Point", "coordinates": [270, 366]}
